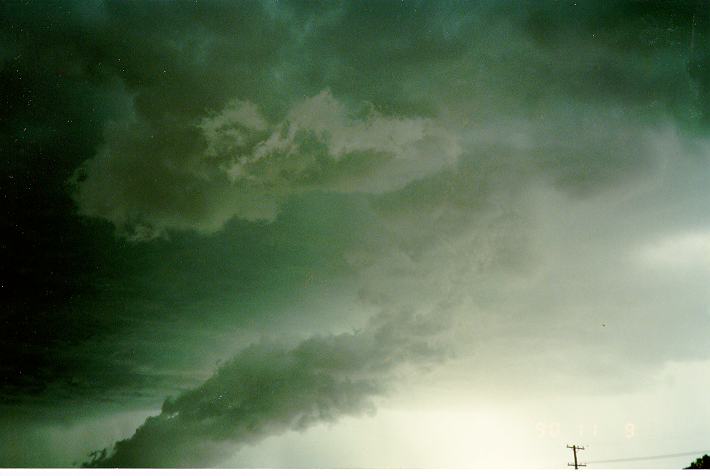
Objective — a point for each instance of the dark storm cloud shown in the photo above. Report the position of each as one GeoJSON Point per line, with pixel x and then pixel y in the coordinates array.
{"type": "Point", "coordinates": [71, 71]}
{"type": "Point", "coordinates": [394, 141]}
{"type": "Point", "coordinates": [559, 62]}
{"type": "Point", "coordinates": [267, 389]}
{"type": "Point", "coordinates": [52, 117]}
{"type": "Point", "coordinates": [145, 313]}
{"type": "Point", "coordinates": [159, 167]}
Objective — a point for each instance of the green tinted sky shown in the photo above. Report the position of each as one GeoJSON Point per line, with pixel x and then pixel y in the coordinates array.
{"type": "Point", "coordinates": [275, 226]}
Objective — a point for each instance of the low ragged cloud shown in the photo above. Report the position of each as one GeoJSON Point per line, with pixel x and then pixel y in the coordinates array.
{"type": "Point", "coordinates": [267, 389]}
{"type": "Point", "coordinates": [235, 163]}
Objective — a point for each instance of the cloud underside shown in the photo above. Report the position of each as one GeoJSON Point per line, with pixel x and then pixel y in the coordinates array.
{"type": "Point", "coordinates": [525, 186]}
{"type": "Point", "coordinates": [267, 389]}
{"type": "Point", "coordinates": [234, 164]}
{"type": "Point", "coordinates": [322, 106]}
{"type": "Point", "coordinates": [480, 154]}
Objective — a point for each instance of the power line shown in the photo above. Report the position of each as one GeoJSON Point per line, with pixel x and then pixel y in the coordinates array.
{"type": "Point", "coordinates": [642, 458]}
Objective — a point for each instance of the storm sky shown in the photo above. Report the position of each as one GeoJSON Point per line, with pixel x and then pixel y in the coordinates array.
{"type": "Point", "coordinates": [354, 234]}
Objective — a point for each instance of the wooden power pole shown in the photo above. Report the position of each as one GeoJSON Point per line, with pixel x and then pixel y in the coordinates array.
{"type": "Point", "coordinates": [574, 449]}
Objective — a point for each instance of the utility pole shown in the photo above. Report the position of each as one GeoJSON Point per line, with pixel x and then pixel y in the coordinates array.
{"type": "Point", "coordinates": [574, 449]}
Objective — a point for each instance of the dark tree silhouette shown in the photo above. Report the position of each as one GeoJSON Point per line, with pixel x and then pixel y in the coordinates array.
{"type": "Point", "coordinates": [700, 463]}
